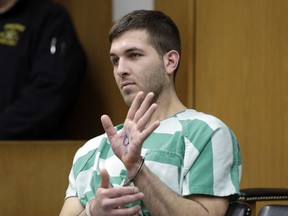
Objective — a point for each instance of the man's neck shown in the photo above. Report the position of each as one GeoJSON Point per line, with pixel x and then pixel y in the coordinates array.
{"type": "Point", "coordinates": [5, 5]}
{"type": "Point", "coordinates": [168, 106]}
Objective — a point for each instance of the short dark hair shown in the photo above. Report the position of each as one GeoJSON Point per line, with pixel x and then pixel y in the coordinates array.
{"type": "Point", "coordinates": [163, 32]}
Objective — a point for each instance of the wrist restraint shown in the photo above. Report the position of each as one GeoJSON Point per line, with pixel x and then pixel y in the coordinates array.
{"type": "Point", "coordinates": [129, 180]}
{"type": "Point", "coordinates": [87, 209]}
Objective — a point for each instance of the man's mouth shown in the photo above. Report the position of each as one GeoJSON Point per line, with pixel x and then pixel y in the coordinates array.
{"type": "Point", "coordinates": [126, 84]}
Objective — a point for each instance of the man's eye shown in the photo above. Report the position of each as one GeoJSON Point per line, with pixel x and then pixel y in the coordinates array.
{"type": "Point", "coordinates": [135, 55]}
{"type": "Point", "coordinates": [115, 61]}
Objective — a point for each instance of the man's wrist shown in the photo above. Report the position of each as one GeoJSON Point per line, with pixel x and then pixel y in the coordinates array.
{"type": "Point", "coordinates": [130, 179]}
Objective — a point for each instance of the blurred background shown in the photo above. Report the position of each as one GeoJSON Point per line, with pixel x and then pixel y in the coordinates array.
{"type": "Point", "coordinates": [234, 66]}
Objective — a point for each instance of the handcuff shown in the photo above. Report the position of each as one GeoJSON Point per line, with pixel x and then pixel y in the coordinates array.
{"type": "Point", "coordinates": [129, 180]}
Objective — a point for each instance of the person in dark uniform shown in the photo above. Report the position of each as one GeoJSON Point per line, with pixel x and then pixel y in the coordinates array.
{"type": "Point", "coordinates": [41, 66]}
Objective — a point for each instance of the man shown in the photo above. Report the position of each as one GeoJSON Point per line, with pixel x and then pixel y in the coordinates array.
{"type": "Point", "coordinates": [177, 161]}
{"type": "Point", "coordinates": [42, 64]}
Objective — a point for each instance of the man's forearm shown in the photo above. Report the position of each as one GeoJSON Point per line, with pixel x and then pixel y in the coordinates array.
{"type": "Point", "coordinates": [161, 200]}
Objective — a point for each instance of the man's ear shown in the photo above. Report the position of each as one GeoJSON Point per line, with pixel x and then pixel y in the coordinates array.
{"type": "Point", "coordinates": [171, 61]}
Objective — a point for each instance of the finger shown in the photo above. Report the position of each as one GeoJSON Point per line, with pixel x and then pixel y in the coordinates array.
{"type": "Point", "coordinates": [105, 181]}
{"type": "Point", "coordinates": [135, 105]}
{"type": "Point", "coordinates": [145, 105]}
{"type": "Point", "coordinates": [122, 198]}
{"type": "Point", "coordinates": [147, 131]}
{"type": "Point", "coordinates": [143, 121]}
{"type": "Point", "coordinates": [118, 192]}
{"type": "Point", "coordinates": [133, 211]}
{"type": "Point", "coordinates": [108, 126]}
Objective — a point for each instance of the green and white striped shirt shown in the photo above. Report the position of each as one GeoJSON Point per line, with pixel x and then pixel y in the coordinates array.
{"type": "Point", "coordinates": [191, 152]}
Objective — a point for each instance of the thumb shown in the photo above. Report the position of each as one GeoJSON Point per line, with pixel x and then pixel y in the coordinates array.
{"type": "Point", "coordinates": [108, 126]}
{"type": "Point", "coordinates": [105, 183]}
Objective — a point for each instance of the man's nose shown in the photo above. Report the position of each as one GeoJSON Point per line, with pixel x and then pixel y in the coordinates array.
{"type": "Point", "coordinates": [122, 68]}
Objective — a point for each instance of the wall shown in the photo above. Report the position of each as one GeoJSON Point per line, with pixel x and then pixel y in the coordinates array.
{"type": "Point", "coordinates": [241, 76]}
{"type": "Point", "coordinates": [34, 176]}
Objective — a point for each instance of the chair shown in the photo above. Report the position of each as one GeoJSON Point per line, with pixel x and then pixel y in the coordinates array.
{"type": "Point", "coordinates": [274, 210]}
{"type": "Point", "coordinates": [246, 204]}
{"type": "Point", "coordinates": [254, 195]}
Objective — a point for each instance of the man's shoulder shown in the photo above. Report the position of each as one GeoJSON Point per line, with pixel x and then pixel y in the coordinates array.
{"type": "Point", "coordinates": [191, 116]}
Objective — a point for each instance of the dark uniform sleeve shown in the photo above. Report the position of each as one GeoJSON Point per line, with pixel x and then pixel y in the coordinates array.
{"type": "Point", "coordinates": [58, 63]}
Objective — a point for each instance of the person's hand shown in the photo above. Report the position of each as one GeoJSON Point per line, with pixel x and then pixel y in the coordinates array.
{"type": "Point", "coordinates": [111, 201]}
{"type": "Point", "coordinates": [137, 127]}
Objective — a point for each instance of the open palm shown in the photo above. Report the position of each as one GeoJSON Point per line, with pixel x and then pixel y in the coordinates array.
{"type": "Point", "coordinates": [137, 127]}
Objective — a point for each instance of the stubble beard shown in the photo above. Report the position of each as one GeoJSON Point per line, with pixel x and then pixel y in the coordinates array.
{"type": "Point", "coordinates": [155, 84]}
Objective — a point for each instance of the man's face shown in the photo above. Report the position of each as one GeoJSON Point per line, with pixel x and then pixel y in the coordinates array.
{"type": "Point", "coordinates": [136, 64]}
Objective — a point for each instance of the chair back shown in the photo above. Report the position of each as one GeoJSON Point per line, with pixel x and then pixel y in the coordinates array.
{"type": "Point", "coordinates": [274, 210]}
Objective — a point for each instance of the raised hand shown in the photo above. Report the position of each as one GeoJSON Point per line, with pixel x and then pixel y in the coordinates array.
{"type": "Point", "coordinates": [137, 127]}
